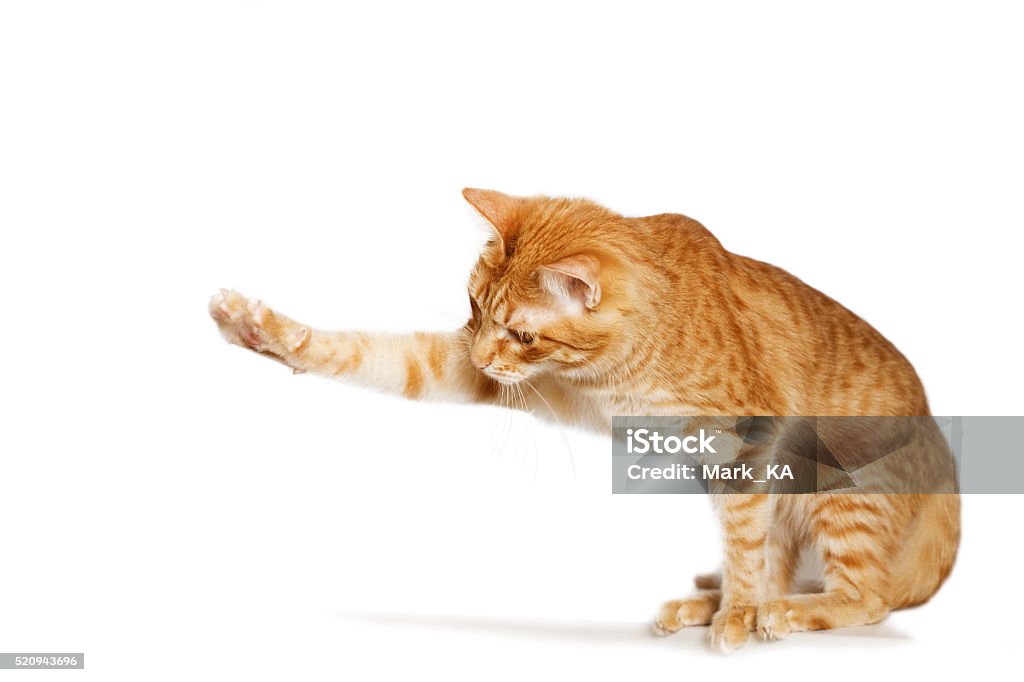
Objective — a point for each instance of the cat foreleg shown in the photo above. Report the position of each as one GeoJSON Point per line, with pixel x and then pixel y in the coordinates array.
{"type": "Point", "coordinates": [745, 520]}
{"type": "Point", "coordinates": [420, 365]}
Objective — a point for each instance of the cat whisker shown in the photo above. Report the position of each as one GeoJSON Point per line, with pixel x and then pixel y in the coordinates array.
{"type": "Point", "coordinates": [523, 424]}
{"type": "Point", "coordinates": [447, 317]}
{"type": "Point", "coordinates": [561, 427]}
{"type": "Point", "coordinates": [504, 424]}
{"type": "Point", "coordinates": [531, 429]}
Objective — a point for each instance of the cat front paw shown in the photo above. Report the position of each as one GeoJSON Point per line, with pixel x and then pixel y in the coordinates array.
{"type": "Point", "coordinates": [241, 320]}
{"type": "Point", "coordinates": [251, 324]}
{"type": "Point", "coordinates": [773, 620]}
{"type": "Point", "coordinates": [730, 628]}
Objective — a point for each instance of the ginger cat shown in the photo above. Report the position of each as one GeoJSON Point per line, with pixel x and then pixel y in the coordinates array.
{"type": "Point", "coordinates": [588, 314]}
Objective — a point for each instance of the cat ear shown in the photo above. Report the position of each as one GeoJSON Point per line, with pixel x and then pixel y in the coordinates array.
{"type": "Point", "coordinates": [497, 208]}
{"type": "Point", "coordinates": [574, 280]}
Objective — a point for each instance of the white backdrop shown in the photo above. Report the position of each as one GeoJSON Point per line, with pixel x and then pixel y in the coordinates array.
{"type": "Point", "coordinates": [175, 507]}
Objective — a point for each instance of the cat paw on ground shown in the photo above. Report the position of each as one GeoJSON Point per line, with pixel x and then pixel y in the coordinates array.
{"type": "Point", "coordinates": [730, 628]}
{"type": "Point", "coordinates": [682, 613]}
{"type": "Point", "coordinates": [773, 620]}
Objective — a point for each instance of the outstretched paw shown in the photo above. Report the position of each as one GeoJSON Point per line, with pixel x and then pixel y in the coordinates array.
{"type": "Point", "coordinates": [251, 324]}
{"type": "Point", "coordinates": [240, 319]}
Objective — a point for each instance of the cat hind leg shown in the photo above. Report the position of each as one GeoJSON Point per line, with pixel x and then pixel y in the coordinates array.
{"type": "Point", "coordinates": [680, 613]}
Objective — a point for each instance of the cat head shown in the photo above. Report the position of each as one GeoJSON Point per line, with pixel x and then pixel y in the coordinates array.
{"type": "Point", "coordinates": [544, 292]}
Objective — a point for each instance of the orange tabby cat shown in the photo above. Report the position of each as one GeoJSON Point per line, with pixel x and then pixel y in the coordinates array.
{"type": "Point", "coordinates": [589, 314]}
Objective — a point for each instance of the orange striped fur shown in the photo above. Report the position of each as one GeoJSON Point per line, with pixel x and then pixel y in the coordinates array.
{"type": "Point", "coordinates": [586, 314]}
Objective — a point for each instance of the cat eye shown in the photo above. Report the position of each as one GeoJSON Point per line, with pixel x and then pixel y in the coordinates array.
{"type": "Point", "coordinates": [525, 338]}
